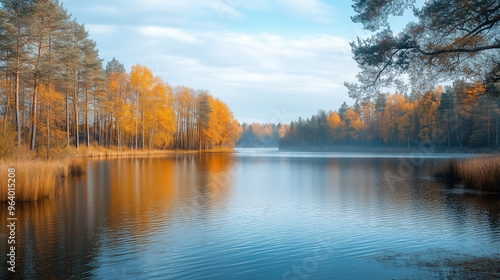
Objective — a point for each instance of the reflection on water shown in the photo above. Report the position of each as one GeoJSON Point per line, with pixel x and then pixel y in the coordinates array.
{"type": "Point", "coordinates": [256, 214]}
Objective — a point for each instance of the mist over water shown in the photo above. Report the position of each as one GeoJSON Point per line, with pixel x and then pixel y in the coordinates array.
{"type": "Point", "coordinates": [257, 214]}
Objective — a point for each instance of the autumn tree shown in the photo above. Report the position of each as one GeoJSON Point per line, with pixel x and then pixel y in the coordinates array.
{"type": "Point", "coordinates": [142, 80]}
{"type": "Point", "coordinates": [447, 113]}
{"type": "Point", "coordinates": [54, 92]}
{"type": "Point", "coordinates": [117, 103]}
{"type": "Point", "coordinates": [159, 117]}
{"type": "Point", "coordinates": [282, 131]}
{"type": "Point", "coordinates": [222, 126]}
{"type": "Point", "coordinates": [44, 27]}
{"type": "Point", "coordinates": [395, 123]}
{"type": "Point", "coordinates": [335, 126]}
{"type": "Point", "coordinates": [353, 126]}
{"type": "Point", "coordinates": [428, 109]}
{"type": "Point", "coordinates": [203, 119]}
{"type": "Point", "coordinates": [184, 101]}
{"type": "Point", "coordinates": [51, 102]}
{"type": "Point", "coordinates": [75, 39]}
{"type": "Point", "coordinates": [457, 116]}
{"type": "Point", "coordinates": [14, 16]}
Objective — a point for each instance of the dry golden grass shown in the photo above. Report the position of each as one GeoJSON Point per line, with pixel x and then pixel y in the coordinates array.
{"type": "Point", "coordinates": [95, 151]}
{"type": "Point", "coordinates": [220, 150]}
{"type": "Point", "coordinates": [481, 173]}
{"type": "Point", "coordinates": [36, 179]}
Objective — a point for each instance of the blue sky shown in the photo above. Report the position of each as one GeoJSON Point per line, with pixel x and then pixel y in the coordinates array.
{"type": "Point", "coordinates": [269, 60]}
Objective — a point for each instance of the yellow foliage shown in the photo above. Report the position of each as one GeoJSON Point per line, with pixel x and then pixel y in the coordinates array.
{"type": "Point", "coordinates": [222, 127]}
{"type": "Point", "coordinates": [335, 125]}
{"type": "Point", "coordinates": [283, 130]}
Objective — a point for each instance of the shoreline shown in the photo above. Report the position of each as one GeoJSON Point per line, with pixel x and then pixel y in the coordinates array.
{"type": "Point", "coordinates": [110, 153]}
{"type": "Point", "coordinates": [38, 179]}
{"type": "Point", "coordinates": [388, 150]}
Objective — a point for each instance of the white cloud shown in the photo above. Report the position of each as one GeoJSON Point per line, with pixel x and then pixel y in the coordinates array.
{"type": "Point", "coordinates": [256, 74]}
{"type": "Point", "coordinates": [100, 28]}
{"type": "Point", "coordinates": [190, 8]}
{"type": "Point", "coordinates": [224, 9]}
{"type": "Point", "coordinates": [158, 32]}
{"type": "Point", "coordinates": [314, 10]}
{"type": "Point", "coordinates": [173, 6]}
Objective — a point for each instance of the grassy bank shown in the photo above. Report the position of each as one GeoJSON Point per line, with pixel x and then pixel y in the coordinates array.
{"type": "Point", "coordinates": [36, 179]}
{"type": "Point", "coordinates": [114, 152]}
{"type": "Point", "coordinates": [96, 152]}
{"type": "Point", "coordinates": [480, 173]}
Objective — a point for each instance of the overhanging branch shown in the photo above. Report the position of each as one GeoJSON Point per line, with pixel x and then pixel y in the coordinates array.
{"type": "Point", "coordinates": [458, 50]}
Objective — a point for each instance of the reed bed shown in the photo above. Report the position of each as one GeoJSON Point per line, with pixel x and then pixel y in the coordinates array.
{"type": "Point", "coordinates": [480, 173]}
{"type": "Point", "coordinates": [36, 179]}
{"type": "Point", "coordinates": [96, 152]}
{"type": "Point", "coordinates": [220, 150]}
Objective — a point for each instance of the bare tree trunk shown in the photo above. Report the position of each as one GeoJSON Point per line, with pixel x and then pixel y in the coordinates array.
{"type": "Point", "coordinates": [119, 137]}
{"type": "Point", "coordinates": [75, 109]}
{"type": "Point", "coordinates": [187, 132]}
{"type": "Point", "coordinates": [105, 126]}
{"type": "Point", "coordinates": [18, 65]}
{"type": "Point", "coordinates": [18, 126]}
{"type": "Point", "coordinates": [115, 133]}
{"type": "Point", "coordinates": [199, 136]}
{"type": "Point", "coordinates": [143, 125]}
{"type": "Point", "coordinates": [152, 131]}
{"type": "Point", "coordinates": [87, 131]}
{"type": "Point", "coordinates": [7, 100]}
{"type": "Point", "coordinates": [48, 132]}
{"type": "Point", "coordinates": [96, 113]}
{"type": "Point", "coordinates": [67, 115]}
{"type": "Point", "coordinates": [33, 115]}
{"type": "Point", "coordinates": [110, 142]}
{"type": "Point", "coordinates": [136, 104]}
{"type": "Point", "coordinates": [98, 130]}
{"type": "Point", "coordinates": [35, 97]}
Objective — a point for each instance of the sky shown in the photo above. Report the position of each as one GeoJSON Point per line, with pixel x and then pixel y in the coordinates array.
{"type": "Point", "coordinates": [269, 60]}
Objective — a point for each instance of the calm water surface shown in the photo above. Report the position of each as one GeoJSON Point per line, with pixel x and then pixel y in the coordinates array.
{"type": "Point", "coordinates": [258, 214]}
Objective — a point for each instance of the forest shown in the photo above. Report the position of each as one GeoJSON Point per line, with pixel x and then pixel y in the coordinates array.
{"type": "Point", "coordinates": [56, 93]}
{"type": "Point", "coordinates": [449, 43]}
{"type": "Point", "coordinates": [462, 115]}
{"type": "Point", "coordinates": [260, 135]}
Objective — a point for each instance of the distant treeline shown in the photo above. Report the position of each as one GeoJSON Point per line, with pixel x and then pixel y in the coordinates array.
{"type": "Point", "coordinates": [461, 115]}
{"type": "Point", "coordinates": [260, 135]}
{"type": "Point", "coordinates": [55, 93]}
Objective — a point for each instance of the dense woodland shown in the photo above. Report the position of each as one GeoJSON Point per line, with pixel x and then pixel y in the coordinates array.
{"type": "Point", "coordinates": [445, 41]}
{"type": "Point", "coordinates": [462, 115]}
{"type": "Point", "coordinates": [55, 92]}
{"type": "Point", "coordinates": [260, 135]}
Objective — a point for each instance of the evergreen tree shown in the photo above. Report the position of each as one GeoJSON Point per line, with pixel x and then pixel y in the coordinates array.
{"type": "Point", "coordinates": [14, 30]}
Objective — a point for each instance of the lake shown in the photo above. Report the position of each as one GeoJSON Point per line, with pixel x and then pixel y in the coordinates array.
{"type": "Point", "coordinates": [259, 214]}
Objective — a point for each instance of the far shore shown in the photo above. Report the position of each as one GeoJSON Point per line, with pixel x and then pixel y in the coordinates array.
{"type": "Point", "coordinates": [420, 150]}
